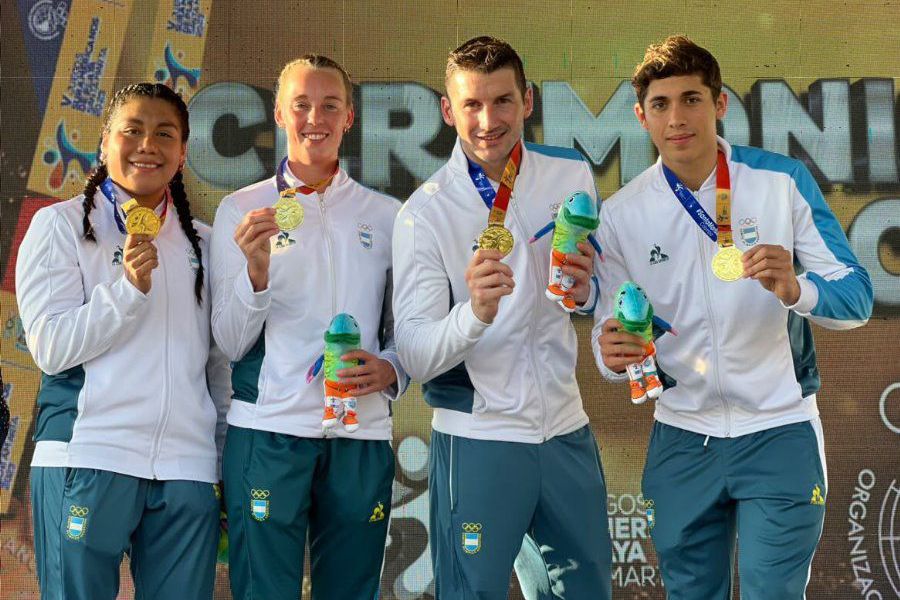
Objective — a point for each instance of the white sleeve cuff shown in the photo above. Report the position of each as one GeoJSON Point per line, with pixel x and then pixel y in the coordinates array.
{"type": "Point", "coordinates": [399, 387]}
{"type": "Point", "coordinates": [243, 288]}
{"type": "Point", "coordinates": [591, 303]}
{"type": "Point", "coordinates": [469, 324]}
{"type": "Point", "coordinates": [809, 297]}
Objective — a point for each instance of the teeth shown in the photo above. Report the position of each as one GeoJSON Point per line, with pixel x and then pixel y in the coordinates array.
{"type": "Point", "coordinates": [145, 165]}
{"type": "Point", "coordinates": [315, 136]}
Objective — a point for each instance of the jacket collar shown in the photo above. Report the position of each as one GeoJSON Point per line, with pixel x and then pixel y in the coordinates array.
{"type": "Point", "coordinates": [341, 178]}
{"type": "Point", "coordinates": [659, 178]}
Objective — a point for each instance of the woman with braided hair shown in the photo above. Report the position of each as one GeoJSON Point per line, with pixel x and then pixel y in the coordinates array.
{"type": "Point", "coordinates": [114, 300]}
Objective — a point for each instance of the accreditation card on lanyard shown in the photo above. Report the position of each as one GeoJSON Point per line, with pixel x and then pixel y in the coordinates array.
{"type": "Point", "coordinates": [496, 236]}
{"type": "Point", "coordinates": [726, 264]}
{"type": "Point", "coordinates": [288, 210]}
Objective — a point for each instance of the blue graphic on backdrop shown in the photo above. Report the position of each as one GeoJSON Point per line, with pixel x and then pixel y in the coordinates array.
{"type": "Point", "coordinates": [43, 25]}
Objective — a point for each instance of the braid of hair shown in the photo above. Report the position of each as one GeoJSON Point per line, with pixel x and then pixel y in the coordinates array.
{"type": "Point", "coordinates": [94, 179]}
{"type": "Point", "coordinates": [183, 207]}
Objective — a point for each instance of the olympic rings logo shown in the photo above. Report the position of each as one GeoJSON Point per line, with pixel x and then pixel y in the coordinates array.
{"type": "Point", "coordinates": [259, 494]}
{"type": "Point", "coordinates": [748, 221]}
{"type": "Point", "coordinates": [78, 511]}
{"type": "Point", "coordinates": [471, 527]}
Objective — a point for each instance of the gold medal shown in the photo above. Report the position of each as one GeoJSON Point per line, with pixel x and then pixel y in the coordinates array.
{"type": "Point", "coordinates": [140, 219]}
{"type": "Point", "coordinates": [727, 265]}
{"type": "Point", "coordinates": [496, 237]}
{"type": "Point", "coordinates": [288, 212]}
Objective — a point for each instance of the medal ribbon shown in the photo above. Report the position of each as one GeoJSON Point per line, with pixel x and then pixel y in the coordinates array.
{"type": "Point", "coordinates": [498, 201]}
{"type": "Point", "coordinates": [720, 230]}
{"type": "Point", "coordinates": [306, 190]}
{"type": "Point", "coordinates": [109, 190]}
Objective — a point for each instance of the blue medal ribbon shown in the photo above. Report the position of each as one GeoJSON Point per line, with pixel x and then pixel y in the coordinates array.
{"type": "Point", "coordinates": [482, 183]}
{"type": "Point", "coordinates": [691, 205]}
{"type": "Point", "coordinates": [109, 190]}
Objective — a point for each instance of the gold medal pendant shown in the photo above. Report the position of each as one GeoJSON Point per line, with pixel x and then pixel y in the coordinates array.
{"type": "Point", "coordinates": [288, 212]}
{"type": "Point", "coordinates": [726, 264]}
{"type": "Point", "coordinates": [140, 219]}
{"type": "Point", "coordinates": [496, 237]}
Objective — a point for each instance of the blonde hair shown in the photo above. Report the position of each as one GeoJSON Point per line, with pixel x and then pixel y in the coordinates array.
{"type": "Point", "coordinates": [316, 61]}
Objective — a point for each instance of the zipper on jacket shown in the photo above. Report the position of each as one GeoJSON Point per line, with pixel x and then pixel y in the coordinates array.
{"type": "Point", "coordinates": [532, 333]}
{"type": "Point", "coordinates": [165, 405]}
{"type": "Point", "coordinates": [701, 239]}
{"type": "Point", "coordinates": [328, 251]}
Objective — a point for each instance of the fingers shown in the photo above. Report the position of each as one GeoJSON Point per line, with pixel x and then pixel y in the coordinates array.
{"type": "Point", "coordinates": [492, 281]}
{"type": "Point", "coordinates": [373, 376]}
{"type": "Point", "coordinates": [618, 347]}
{"type": "Point", "coordinates": [486, 266]}
{"type": "Point", "coordinates": [256, 225]}
{"type": "Point", "coordinates": [774, 259]}
{"type": "Point", "coordinates": [482, 255]}
{"type": "Point", "coordinates": [136, 239]}
{"type": "Point", "coordinates": [358, 355]}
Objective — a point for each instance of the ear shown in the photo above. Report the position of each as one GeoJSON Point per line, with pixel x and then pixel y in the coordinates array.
{"type": "Point", "coordinates": [351, 117]}
{"type": "Point", "coordinates": [279, 118]}
{"type": "Point", "coordinates": [639, 113]}
{"type": "Point", "coordinates": [721, 105]}
{"type": "Point", "coordinates": [183, 156]}
{"type": "Point", "coordinates": [447, 111]}
{"type": "Point", "coordinates": [104, 144]}
{"type": "Point", "coordinates": [529, 101]}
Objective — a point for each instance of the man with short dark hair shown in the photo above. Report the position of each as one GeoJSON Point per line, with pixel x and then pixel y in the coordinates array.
{"type": "Point", "coordinates": [512, 452]}
{"type": "Point", "coordinates": [736, 454]}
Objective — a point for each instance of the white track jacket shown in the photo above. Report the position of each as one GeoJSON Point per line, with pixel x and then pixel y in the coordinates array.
{"type": "Point", "coordinates": [742, 361]}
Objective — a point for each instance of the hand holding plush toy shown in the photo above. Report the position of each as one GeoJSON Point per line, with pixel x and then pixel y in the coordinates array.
{"type": "Point", "coordinates": [577, 218]}
{"type": "Point", "coordinates": [342, 337]}
{"type": "Point", "coordinates": [635, 313]}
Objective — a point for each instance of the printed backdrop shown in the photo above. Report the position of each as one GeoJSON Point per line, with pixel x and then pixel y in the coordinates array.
{"type": "Point", "coordinates": [816, 80]}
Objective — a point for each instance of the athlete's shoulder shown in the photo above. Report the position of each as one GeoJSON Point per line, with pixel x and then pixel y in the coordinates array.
{"type": "Point", "coordinates": [204, 230]}
{"type": "Point", "coordinates": [439, 185]}
{"type": "Point", "coordinates": [261, 193]}
{"type": "Point", "coordinates": [554, 153]}
{"type": "Point", "coordinates": [639, 187]}
{"type": "Point", "coordinates": [374, 198]}
{"type": "Point", "coordinates": [766, 160]}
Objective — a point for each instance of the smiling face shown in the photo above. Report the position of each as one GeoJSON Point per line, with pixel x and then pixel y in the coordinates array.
{"type": "Point", "coordinates": [314, 110]}
{"type": "Point", "coordinates": [680, 114]}
{"type": "Point", "coordinates": [488, 112]}
{"type": "Point", "coordinates": [144, 145]}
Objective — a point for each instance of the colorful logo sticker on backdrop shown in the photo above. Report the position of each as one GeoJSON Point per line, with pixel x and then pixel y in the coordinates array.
{"type": "Point", "coordinates": [172, 72]}
{"type": "Point", "coordinates": [259, 504]}
{"type": "Point", "coordinates": [471, 537]}
{"type": "Point", "coordinates": [366, 235]}
{"type": "Point", "coordinates": [76, 524]}
{"type": "Point", "coordinates": [749, 231]}
{"type": "Point", "coordinates": [62, 154]}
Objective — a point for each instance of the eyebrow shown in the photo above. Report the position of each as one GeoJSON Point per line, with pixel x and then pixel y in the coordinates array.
{"type": "Point", "coordinates": [305, 97]}
{"type": "Point", "coordinates": [138, 121]}
{"type": "Point", "coordinates": [682, 95]}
